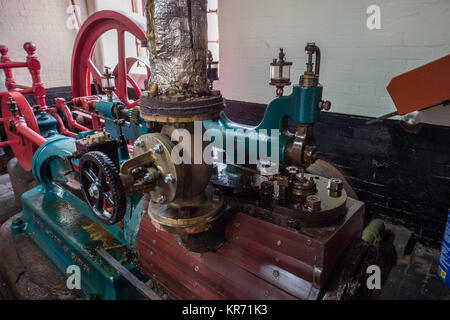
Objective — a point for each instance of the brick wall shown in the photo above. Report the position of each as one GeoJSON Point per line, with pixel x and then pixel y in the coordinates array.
{"type": "Point", "coordinates": [44, 23]}
{"type": "Point", "coordinates": [357, 63]}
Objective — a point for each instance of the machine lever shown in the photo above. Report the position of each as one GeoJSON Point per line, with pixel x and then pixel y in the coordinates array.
{"type": "Point", "coordinates": [381, 118]}
{"type": "Point", "coordinates": [139, 285]}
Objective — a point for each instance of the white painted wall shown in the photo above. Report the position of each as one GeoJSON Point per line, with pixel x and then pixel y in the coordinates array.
{"type": "Point", "coordinates": [357, 63]}
{"type": "Point", "coordinates": [106, 52]}
{"type": "Point", "coordinates": [43, 22]}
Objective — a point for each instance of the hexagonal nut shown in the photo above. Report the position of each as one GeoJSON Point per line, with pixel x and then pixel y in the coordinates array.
{"type": "Point", "coordinates": [292, 170]}
{"type": "Point", "coordinates": [326, 105]}
{"type": "Point", "coordinates": [158, 149]}
{"type": "Point", "coordinates": [313, 204]}
{"type": "Point", "coordinates": [148, 178]}
{"type": "Point", "coordinates": [161, 199]}
{"type": "Point", "coordinates": [139, 143]}
{"type": "Point", "coordinates": [335, 187]}
{"type": "Point", "coordinates": [169, 178]}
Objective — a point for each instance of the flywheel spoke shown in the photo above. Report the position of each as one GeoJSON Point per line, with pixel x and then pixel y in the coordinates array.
{"type": "Point", "coordinates": [108, 198]}
{"type": "Point", "coordinates": [90, 175]}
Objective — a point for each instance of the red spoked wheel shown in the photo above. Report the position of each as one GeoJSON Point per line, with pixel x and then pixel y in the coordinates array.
{"type": "Point", "coordinates": [83, 66]}
{"type": "Point", "coordinates": [130, 61]}
{"type": "Point", "coordinates": [22, 147]}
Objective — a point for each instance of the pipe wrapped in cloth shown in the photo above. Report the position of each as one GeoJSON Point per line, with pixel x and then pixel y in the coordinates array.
{"type": "Point", "coordinates": [178, 37]}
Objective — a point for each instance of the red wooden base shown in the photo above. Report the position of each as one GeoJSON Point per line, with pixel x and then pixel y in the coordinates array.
{"type": "Point", "coordinates": [259, 260]}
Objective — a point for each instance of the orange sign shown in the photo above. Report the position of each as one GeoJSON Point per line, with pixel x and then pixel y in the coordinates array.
{"type": "Point", "coordinates": [423, 87]}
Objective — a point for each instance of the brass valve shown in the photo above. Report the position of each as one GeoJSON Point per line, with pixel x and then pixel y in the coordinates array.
{"type": "Point", "coordinates": [311, 78]}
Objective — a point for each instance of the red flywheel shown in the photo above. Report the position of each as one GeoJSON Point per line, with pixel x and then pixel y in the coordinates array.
{"type": "Point", "coordinates": [22, 147]}
{"type": "Point", "coordinates": [83, 66]}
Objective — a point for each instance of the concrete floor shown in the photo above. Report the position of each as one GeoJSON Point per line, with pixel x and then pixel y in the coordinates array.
{"type": "Point", "coordinates": [8, 208]}
{"type": "Point", "coordinates": [413, 276]}
{"type": "Point", "coordinates": [8, 205]}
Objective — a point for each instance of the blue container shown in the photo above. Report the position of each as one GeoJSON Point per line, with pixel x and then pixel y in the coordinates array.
{"type": "Point", "coordinates": [443, 270]}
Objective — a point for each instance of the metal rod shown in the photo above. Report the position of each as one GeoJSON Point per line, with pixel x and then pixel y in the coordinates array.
{"type": "Point", "coordinates": [379, 119]}
{"type": "Point", "coordinates": [9, 65]}
{"type": "Point", "coordinates": [19, 86]}
{"type": "Point", "coordinates": [139, 285]}
{"type": "Point", "coordinates": [98, 115]}
{"type": "Point", "coordinates": [243, 168]}
{"type": "Point", "coordinates": [75, 11]}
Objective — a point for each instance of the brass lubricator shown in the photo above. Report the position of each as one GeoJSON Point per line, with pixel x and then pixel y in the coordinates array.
{"type": "Point", "coordinates": [301, 150]}
{"type": "Point", "coordinates": [310, 78]}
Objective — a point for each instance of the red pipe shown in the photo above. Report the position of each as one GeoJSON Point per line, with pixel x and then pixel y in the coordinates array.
{"type": "Point", "coordinates": [9, 65]}
{"type": "Point", "coordinates": [28, 133]}
{"type": "Point", "coordinates": [20, 91]}
{"type": "Point", "coordinates": [61, 104]}
{"type": "Point", "coordinates": [80, 127]}
{"type": "Point", "coordinates": [19, 86]}
{"type": "Point", "coordinates": [5, 144]}
{"type": "Point", "coordinates": [62, 128]}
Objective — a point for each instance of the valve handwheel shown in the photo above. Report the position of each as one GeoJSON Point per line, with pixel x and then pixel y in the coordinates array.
{"type": "Point", "coordinates": [102, 187]}
{"type": "Point", "coordinates": [22, 148]}
{"type": "Point", "coordinates": [83, 66]}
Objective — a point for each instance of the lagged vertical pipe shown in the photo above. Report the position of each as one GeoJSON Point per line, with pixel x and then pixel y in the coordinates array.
{"type": "Point", "coordinates": [178, 42]}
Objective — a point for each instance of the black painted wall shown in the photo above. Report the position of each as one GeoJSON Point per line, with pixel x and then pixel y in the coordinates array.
{"type": "Point", "coordinates": [402, 177]}
{"type": "Point", "coordinates": [52, 94]}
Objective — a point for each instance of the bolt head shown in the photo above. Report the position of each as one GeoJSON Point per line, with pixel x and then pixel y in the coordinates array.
{"type": "Point", "coordinates": [169, 178]}
{"type": "Point", "coordinates": [158, 149]}
{"type": "Point", "coordinates": [313, 203]}
{"type": "Point", "coordinates": [94, 191]}
{"type": "Point", "coordinates": [161, 199]}
{"type": "Point", "coordinates": [335, 186]}
{"type": "Point", "coordinates": [148, 177]}
{"type": "Point", "coordinates": [138, 143]}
